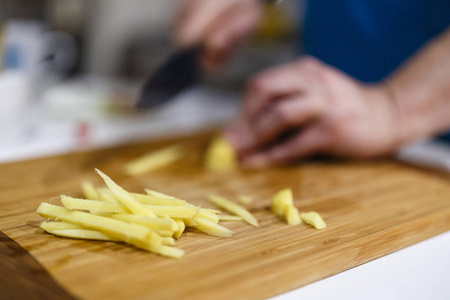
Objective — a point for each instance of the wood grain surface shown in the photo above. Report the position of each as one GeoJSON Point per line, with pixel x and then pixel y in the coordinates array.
{"type": "Point", "coordinates": [372, 208]}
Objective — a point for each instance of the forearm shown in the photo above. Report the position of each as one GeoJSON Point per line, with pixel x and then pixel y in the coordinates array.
{"type": "Point", "coordinates": [421, 90]}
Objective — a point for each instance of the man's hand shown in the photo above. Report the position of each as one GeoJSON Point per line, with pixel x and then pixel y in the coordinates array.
{"type": "Point", "coordinates": [217, 25]}
{"type": "Point", "coordinates": [307, 107]}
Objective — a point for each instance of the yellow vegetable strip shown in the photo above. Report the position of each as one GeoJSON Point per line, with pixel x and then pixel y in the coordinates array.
{"type": "Point", "coordinates": [85, 234]}
{"type": "Point", "coordinates": [175, 211]}
{"type": "Point", "coordinates": [154, 160]}
{"type": "Point", "coordinates": [229, 218]}
{"type": "Point", "coordinates": [125, 198]}
{"type": "Point", "coordinates": [150, 222]}
{"type": "Point", "coordinates": [107, 196]}
{"type": "Point", "coordinates": [155, 200]}
{"type": "Point", "coordinates": [292, 215]}
{"type": "Point", "coordinates": [211, 228]}
{"type": "Point", "coordinates": [89, 191]}
{"type": "Point", "coordinates": [233, 208]}
{"type": "Point", "coordinates": [171, 251]}
{"type": "Point", "coordinates": [169, 241]}
{"type": "Point", "coordinates": [314, 219]}
{"type": "Point", "coordinates": [137, 235]}
{"type": "Point", "coordinates": [208, 215]}
{"type": "Point", "coordinates": [159, 194]}
{"type": "Point", "coordinates": [220, 155]}
{"type": "Point", "coordinates": [181, 227]}
{"type": "Point", "coordinates": [93, 205]}
{"type": "Point", "coordinates": [51, 225]}
{"type": "Point", "coordinates": [280, 199]}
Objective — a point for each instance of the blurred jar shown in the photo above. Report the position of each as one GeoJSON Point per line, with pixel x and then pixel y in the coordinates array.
{"type": "Point", "coordinates": [32, 59]}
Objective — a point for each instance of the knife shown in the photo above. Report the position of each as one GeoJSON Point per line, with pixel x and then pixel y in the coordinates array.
{"type": "Point", "coordinates": [179, 72]}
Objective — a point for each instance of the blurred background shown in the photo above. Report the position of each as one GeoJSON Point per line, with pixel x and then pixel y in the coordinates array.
{"type": "Point", "coordinates": [71, 70]}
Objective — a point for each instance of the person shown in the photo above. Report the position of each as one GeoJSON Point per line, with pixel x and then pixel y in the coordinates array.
{"type": "Point", "coordinates": [376, 76]}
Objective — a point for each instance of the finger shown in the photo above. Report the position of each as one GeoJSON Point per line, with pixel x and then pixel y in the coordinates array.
{"type": "Point", "coordinates": [310, 141]}
{"type": "Point", "coordinates": [240, 135]}
{"type": "Point", "coordinates": [228, 31]}
{"type": "Point", "coordinates": [284, 115]}
{"type": "Point", "coordinates": [194, 20]}
{"type": "Point", "coordinates": [271, 85]}
{"type": "Point", "coordinates": [278, 118]}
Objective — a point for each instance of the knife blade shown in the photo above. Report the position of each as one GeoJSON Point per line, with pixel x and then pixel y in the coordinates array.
{"type": "Point", "coordinates": [180, 71]}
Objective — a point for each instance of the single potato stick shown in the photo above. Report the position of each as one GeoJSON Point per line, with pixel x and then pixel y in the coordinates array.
{"type": "Point", "coordinates": [229, 218]}
{"type": "Point", "coordinates": [106, 195]}
{"type": "Point", "coordinates": [171, 251]}
{"type": "Point", "coordinates": [93, 205]}
{"type": "Point", "coordinates": [89, 191]}
{"type": "Point", "coordinates": [292, 215]}
{"type": "Point", "coordinates": [169, 241]}
{"type": "Point", "coordinates": [154, 160]}
{"type": "Point", "coordinates": [125, 198]}
{"type": "Point", "coordinates": [281, 198]}
{"type": "Point", "coordinates": [53, 225]}
{"type": "Point", "coordinates": [155, 223]}
{"type": "Point", "coordinates": [220, 155]}
{"type": "Point", "coordinates": [137, 235]}
{"type": "Point", "coordinates": [84, 234]}
{"type": "Point", "coordinates": [186, 211]}
{"type": "Point", "coordinates": [314, 219]}
{"type": "Point", "coordinates": [155, 200]}
{"type": "Point", "coordinates": [208, 215]}
{"type": "Point", "coordinates": [181, 227]}
{"type": "Point", "coordinates": [233, 208]}
{"type": "Point", "coordinates": [159, 194]}
{"type": "Point", "coordinates": [211, 228]}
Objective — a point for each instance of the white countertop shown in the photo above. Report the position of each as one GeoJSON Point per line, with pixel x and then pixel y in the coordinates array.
{"type": "Point", "coordinates": [417, 272]}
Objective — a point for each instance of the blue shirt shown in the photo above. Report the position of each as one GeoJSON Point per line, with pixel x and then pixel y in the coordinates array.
{"type": "Point", "coordinates": [368, 39]}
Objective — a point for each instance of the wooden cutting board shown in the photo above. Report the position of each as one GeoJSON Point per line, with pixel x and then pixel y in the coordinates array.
{"type": "Point", "coordinates": [372, 208]}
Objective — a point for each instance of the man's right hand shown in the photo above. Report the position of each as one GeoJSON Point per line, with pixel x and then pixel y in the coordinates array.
{"type": "Point", "coordinates": [219, 26]}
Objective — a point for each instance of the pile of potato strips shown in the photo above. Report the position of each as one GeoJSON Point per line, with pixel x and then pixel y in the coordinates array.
{"type": "Point", "coordinates": [150, 221]}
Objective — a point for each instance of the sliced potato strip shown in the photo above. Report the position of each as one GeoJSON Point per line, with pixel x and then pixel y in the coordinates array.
{"type": "Point", "coordinates": [314, 219]}
{"type": "Point", "coordinates": [93, 205]}
{"type": "Point", "coordinates": [208, 215]}
{"type": "Point", "coordinates": [107, 196]}
{"type": "Point", "coordinates": [155, 200]}
{"type": "Point", "coordinates": [154, 223]}
{"type": "Point", "coordinates": [292, 215]}
{"type": "Point", "coordinates": [211, 228]}
{"type": "Point", "coordinates": [171, 251]}
{"type": "Point", "coordinates": [137, 235]}
{"type": "Point", "coordinates": [181, 227]}
{"type": "Point", "coordinates": [124, 197]}
{"type": "Point", "coordinates": [84, 234]}
{"type": "Point", "coordinates": [175, 211]}
{"type": "Point", "coordinates": [220, 155]}
{"type": "Point", "coordinates": [52, 225]}
{"type": "Point", "coordinates": [154, 160]}
{"type": "Point", "coordinates": [158, 194]}
{"type": "Point", "coordinates": [89, 191]}
{"type": "Point", "coordinates": [233, 208]}
{"type": "Point", "coordinates": [168, 241]}
{"type": "Point", "coordinates": [229, 218]}
{"type": "Point", "coordinates": [280, 199]}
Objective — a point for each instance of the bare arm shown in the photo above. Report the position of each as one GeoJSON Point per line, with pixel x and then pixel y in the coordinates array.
{"type": "Point", "coordinates": [421, 90]}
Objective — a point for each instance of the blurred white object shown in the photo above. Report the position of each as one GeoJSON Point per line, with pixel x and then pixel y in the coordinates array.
{"type": "Point", "coordinates": [16, 108]}
{"type": "Point", "coordinates": [32, 49]}
{"type": "Point", "coordinates": [429, 153]}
